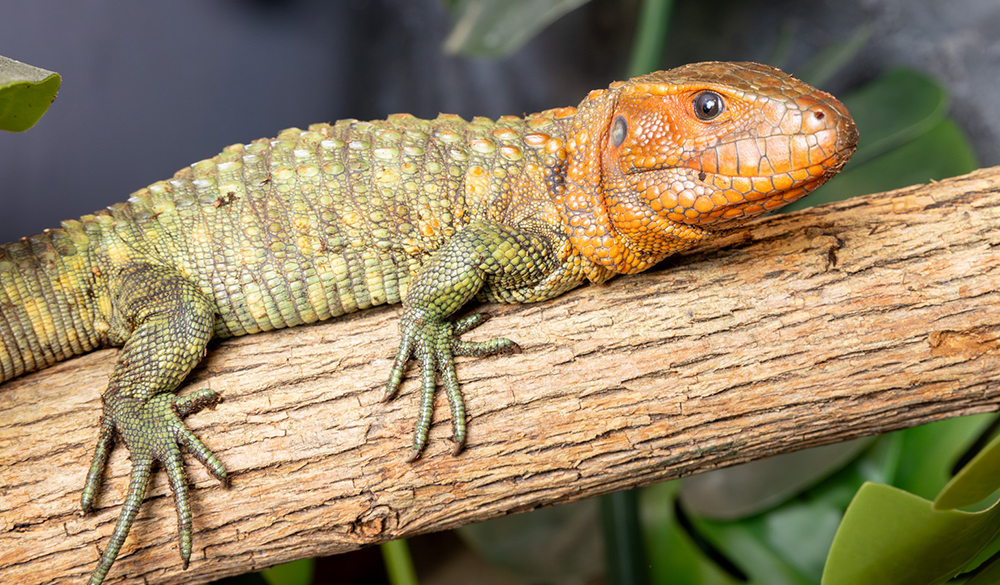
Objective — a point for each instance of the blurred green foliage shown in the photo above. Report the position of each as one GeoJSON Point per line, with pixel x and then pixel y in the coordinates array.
{"type": "Point", "coordinates": [497, 28]}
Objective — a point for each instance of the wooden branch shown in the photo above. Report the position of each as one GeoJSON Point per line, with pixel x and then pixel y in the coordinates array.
{"type": "Point", "coordinates": [862, 317]}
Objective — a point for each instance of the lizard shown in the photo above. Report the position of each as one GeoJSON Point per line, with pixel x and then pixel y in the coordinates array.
{"type": "Point", "coordinates": [341, 217]}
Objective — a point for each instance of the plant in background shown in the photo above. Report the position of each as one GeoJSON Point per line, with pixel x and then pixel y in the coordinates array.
{"type": "Point", "coordinates": [25, 94]}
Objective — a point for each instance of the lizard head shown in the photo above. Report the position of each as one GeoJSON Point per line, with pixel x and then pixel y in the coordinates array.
{"type": "Point", "coordinates": [664, 160]}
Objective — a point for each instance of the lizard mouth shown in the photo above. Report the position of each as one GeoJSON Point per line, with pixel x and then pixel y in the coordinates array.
{"type": "Point", "coordinates": [717, 200]}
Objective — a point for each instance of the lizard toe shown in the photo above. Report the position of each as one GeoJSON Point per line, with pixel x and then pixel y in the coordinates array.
{"type": "Point", "coordinates": [153, 430]}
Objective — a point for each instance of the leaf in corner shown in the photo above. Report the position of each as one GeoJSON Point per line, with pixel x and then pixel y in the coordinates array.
{"type": "Point", "coordinates": [989, 575]}
{"type": "Point", "coordinates": [25, 94]}
{"type": "Point", "coordinates": [298, 572]}
{"type": "Point", "coordinates": [977, 480]}
{"type": "Point", "coordinates": [892, 537]}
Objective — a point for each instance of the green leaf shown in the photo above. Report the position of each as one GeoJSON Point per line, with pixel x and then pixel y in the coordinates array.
{"type": "Point", "coordinates": [833, 57]}
{"type": "Point", "coordinates": [941, 153]}
{"type": "Point", "coordinates": [783, 47]}
{"type": "Point", "coordinates": [25, 94]}
{"type": "Point", "coordinates": [399, 562]}
{"type": "Point", "coordinates": [894, 109]}
{"type": "Point", "coordinates": [976, 481]}
{"type": "Point", "coordinates": [990, 575]}
{"type": "Point", "coordinates": [933, 450]}
{"type": "Point", "coordinates": [789, 544]}
{"type": "Point", "coordinates": [983, 557]}
{"type": "Point", "coordinates": [625, 557]}
{"type": "Point", "coordinates": [747, 545]}
{"type": "Point", "coordinates": [889, 536]}
{"type": "Point", "coordinates": [495, 28]}
{"type": "Point", "coordinates": [673, 557]}
{"type": "Point", "coordinates": [650, 35]}
{"type": "Point", "coordinates": [298, 572]}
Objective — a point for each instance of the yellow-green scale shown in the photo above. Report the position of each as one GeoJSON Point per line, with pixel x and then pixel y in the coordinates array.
{"type": "Point", "coordinates": [48, 301]}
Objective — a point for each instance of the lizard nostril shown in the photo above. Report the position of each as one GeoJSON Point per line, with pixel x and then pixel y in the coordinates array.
{"type": "Point", "coordinates": [815, 118]}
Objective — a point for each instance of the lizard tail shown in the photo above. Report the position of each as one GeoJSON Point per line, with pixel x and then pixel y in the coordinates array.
{"type": "Point", "coordinates": [47, 303]}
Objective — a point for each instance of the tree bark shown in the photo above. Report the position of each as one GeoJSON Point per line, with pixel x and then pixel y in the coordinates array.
{"type": "Point", "coordinates": [862, 317]}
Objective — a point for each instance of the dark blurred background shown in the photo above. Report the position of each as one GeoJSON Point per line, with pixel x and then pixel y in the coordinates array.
{"type": "Point", "coordinates": [149, 88]}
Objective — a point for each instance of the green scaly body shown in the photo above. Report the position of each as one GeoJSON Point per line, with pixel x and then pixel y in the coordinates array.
{"type": "Point", "coordinates": [308, 226]}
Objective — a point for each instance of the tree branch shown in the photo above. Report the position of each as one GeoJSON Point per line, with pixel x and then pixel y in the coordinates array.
{"type": "Point", "coordinates": [856, 318]}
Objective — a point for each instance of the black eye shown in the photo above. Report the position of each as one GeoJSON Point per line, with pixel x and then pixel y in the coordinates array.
{"type": "Point", "coordinates": [708, 105]}
{"type": "Point", "coordinates": [619, 130]}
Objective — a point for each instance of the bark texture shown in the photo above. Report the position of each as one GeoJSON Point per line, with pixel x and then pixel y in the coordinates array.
{"type": "Point", "coordinates": [851, 319]}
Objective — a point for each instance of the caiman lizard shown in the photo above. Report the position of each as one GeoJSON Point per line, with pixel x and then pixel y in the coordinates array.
{"type": "Point", "coordinates": [430, 213]}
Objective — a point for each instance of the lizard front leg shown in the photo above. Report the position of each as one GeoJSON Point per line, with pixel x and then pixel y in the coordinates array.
{"type": "Point", "coordinates": [168, 323]}
{"type": "Point", "coordinates": [481, 253]}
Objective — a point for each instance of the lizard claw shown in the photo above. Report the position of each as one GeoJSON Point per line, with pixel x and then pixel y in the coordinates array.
{"type": "Point", "coordinates": [435, 344]}
{"type": "Point", "coordinates": [152, 430]}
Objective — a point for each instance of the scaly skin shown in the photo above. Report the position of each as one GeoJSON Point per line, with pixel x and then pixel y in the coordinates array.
{"type": "Point", "coordinates": [430, 213]}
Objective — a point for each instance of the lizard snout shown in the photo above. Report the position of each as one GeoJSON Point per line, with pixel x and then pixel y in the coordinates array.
{"type": "Point", "coordinates": [830, 116]}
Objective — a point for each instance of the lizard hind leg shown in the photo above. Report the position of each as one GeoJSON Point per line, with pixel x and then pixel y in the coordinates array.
{"type": "Point", "coordinates": [167, 323]}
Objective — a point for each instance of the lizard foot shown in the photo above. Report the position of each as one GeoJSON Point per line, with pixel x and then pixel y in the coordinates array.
{"type": "Point", "coordinates": [153, 431]}
{"type": "Point", "coordinates": [435, 344]}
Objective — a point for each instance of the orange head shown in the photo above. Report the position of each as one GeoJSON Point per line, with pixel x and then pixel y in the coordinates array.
{"type": "Point", "coordinates": [664, 160]}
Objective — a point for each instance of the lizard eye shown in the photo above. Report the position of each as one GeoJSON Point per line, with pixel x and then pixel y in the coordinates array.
{"type": "Point", "coordinates": [708, 105]}
{"type": "Point", "coordinates": [619, 130]}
